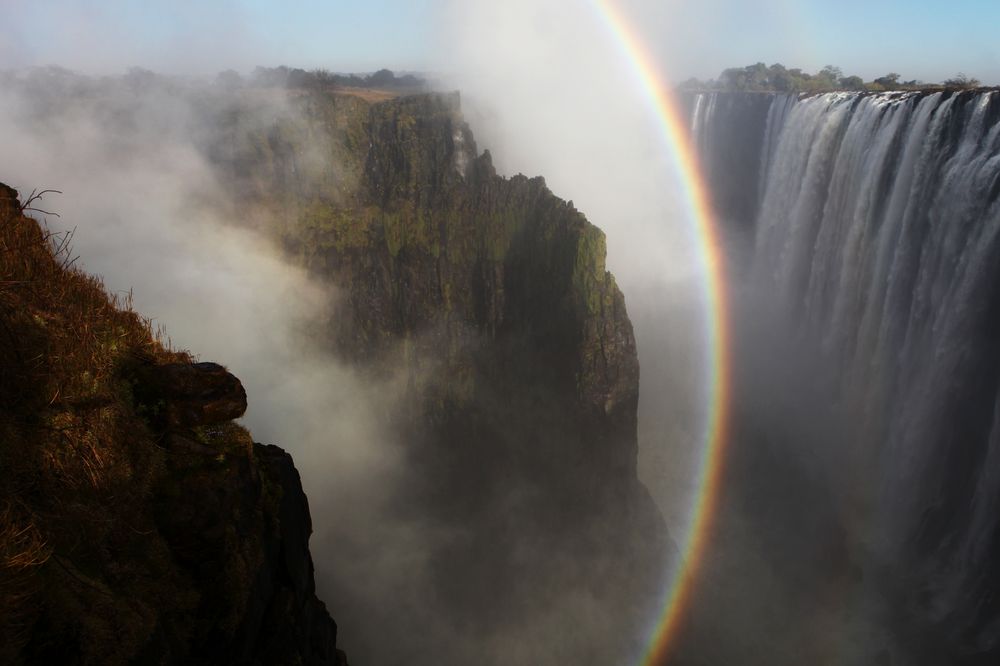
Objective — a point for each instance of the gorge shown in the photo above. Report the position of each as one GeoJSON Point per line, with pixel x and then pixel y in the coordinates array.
{"type": "Point", "coordinates": [445, 354]}
{"type": "Point", "coordinates": [440, 348]}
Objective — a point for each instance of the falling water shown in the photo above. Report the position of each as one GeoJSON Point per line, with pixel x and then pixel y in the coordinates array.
{"type": "Point", "coordinates": [876, 232]}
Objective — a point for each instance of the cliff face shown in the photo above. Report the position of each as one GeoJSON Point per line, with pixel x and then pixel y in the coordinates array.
{"type": "Point", "coordinates": [442, 260]}
{"type": "Point", "coordinates": [487, 298]}
{"type": "Point", "coordinates": [138, 523]}
{"type": "Point", "coordinates": [490, 296]}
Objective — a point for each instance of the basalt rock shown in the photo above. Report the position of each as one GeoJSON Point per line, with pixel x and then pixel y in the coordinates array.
{"type": "Point", "coordinates": [491, 297]}
{"type": "Point", "coordinates": [187, 395]}
{"type": "Point", "coordinates": [240, 530]}
{"type": "Point", "coordinates": [114, 548]}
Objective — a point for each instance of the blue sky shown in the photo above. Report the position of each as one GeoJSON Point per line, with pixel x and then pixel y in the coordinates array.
{"type": "Point", "coordinates": [918, 39]}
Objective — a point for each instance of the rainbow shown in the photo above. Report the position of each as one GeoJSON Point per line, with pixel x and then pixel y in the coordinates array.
{"type": "Point", "coordinates": [677, 593]}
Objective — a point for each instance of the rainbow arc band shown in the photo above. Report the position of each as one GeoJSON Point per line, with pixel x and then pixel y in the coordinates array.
{"type": "Point", "coordinates": [677, 594]}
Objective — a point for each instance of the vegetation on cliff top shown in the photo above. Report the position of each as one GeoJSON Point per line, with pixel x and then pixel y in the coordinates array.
{"type": "Point", "coordinates": [777, 78]}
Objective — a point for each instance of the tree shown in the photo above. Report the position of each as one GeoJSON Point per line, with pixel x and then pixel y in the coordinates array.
{"type": "Point", "coordinates": [960, 80]}
{"type": "Point", "coordinates": [138, 78]}
{"type": "Point", "coordinates": [382, 77]}
{"type": "Point", "coordinates": [852, 83]}
{"type": "Point", "coordinates": [229, 80]}
{"type": "Point", "coordinates": [322, 77]}
{"type": "Point", "coordinates": [297, 78]}
{"type": "Point", "coordinates": [734, 78]}
{"type": "Point", "coordinates": [831, 74]}
{"type": "Point", "coordinates": [780, 79]}
{"type": "Point", "coordinates": [802, 79]}
{"type": "Point", "coordinates": [827, 78]}
{"type": "Point", "coordinates": [757, 76]}
{"type": "Point", "coordinates": [888, 81]}
{"type": "Point", "coordinates": [269, 76]}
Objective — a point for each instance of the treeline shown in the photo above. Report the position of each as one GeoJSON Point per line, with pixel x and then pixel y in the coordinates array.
{"type": "Point", "coordinates": [40, 83]}
{"type": "Point", "coordinates": [285, 77]}
{"type": "Point", "coordinates": [778, 78]}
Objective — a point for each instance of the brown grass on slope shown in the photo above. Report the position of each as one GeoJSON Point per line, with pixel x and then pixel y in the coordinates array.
{"type": "Point", "coordinates": [79, 552]}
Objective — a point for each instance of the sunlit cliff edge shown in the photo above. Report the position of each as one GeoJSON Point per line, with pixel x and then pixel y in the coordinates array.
{"type": "Point", "coordinates": [139, 523]}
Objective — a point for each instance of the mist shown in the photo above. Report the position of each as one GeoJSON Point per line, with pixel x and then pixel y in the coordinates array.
{"type": "Point", "coordinates": [153, 215]}
{"type": "Point", "coordinates": [545, 88]}
{"type": "Point", "coordinates": [149, 215]}
{"type": "Point", "coordinates": [784, 578]}
{"type": "Point", "coordinates": [549, 92]}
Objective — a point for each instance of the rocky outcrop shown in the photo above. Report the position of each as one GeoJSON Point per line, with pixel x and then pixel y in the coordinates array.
{"type": "Point", "coordinates": [491, 297]}
{"type": "Point", "coordinates": [239, 529]}
{"type": "Point", "coordinates": [187, 395]}
{"type": "Point", "coordinates": [117, 546]}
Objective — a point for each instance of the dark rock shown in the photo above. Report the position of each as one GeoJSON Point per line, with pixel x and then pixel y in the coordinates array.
{"type": "Point", "coordinates": [242, 533]}
{"type": "Point", "coordinates": [187, 395]}
{"type": "Point", "coordinates": [147, 528]}
{"type": "Point", "coordinates": [491, 295]}
{"type": "Point", "coordinates": [185, 442]}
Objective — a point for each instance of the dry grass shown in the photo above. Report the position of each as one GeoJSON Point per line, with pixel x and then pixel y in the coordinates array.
{"type": "Point", "coordinates": [76, 460]}
{"type": "Point", "coordinates": [370, 95]}
{"type": "Point", "coordinates": [106, 525]}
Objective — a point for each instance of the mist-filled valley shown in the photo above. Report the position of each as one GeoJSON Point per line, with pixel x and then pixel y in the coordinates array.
{"type": "Point", "coordinates": [571, 364]}
{"type": "Point", "coordinates": [440, 349]}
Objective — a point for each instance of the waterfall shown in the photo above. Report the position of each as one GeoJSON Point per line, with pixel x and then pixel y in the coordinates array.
{"type": "Point", "coordinates": [732, 158]}
{"type": "Point", "coordinates": [776, 115]}
{"type": "Point", "coordinates": [876, 232]}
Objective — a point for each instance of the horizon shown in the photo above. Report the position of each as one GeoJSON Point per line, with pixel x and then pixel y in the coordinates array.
{"type": "Point", "coordinates": [193, 39]}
